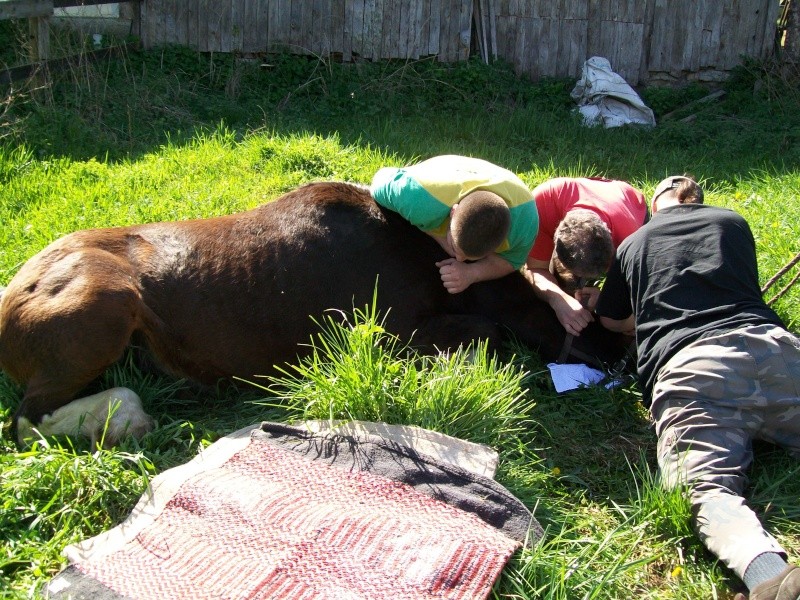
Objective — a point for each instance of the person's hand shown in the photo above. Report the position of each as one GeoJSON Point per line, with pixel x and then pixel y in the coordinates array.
{"type": "Point", "coordinates": [573, 317]}
{"type": "Point", "coordinates": [587, 296]}
{"type": "Point", "coordinates": [455, 275]}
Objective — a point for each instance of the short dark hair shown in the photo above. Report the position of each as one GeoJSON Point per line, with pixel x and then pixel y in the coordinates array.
{"type": "Point", "coordinates": [480, 224]}
{"type": "Point", "coordinates": [583, 243]}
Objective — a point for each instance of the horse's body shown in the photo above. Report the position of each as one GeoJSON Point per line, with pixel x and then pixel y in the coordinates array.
{"type": "Point", "coordinates": [234, 296]}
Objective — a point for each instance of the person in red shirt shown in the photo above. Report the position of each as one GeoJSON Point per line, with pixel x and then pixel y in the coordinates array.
{"type": "Point", "coordinates": [581, 222]}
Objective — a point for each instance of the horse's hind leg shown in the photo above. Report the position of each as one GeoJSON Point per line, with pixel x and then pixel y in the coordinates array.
{"type": "Point", "coordinates": [65, 319]}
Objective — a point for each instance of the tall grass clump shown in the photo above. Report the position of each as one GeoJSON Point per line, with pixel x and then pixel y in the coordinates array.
{"type": "Point", "coordinates": [54, 496]}
{"type": "Point", "coordinates": [356, 370]}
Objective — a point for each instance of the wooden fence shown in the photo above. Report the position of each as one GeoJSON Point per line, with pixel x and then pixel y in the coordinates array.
{"type": "Point", "coordinates": [350, 29]}
{"type": "Point", "coordinates": [643, 39]}
{"type": "Point", "coordinates": [646, 41]}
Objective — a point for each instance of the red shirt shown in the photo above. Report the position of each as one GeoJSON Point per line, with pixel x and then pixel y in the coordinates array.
{"type": "Point", "coordinates": [620, 206]}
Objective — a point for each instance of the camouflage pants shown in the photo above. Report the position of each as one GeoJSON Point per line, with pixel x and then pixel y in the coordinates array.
{"type": "Point", "coordinates": [710, 401]}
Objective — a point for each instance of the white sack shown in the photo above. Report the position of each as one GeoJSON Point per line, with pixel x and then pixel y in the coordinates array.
{"type": "Point", "coordinates": [605, 98]}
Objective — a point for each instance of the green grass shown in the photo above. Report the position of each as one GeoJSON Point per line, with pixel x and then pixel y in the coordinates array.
{"type": "Point", "coordinates": [170, 134]}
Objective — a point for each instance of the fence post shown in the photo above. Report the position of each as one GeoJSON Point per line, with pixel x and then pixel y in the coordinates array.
{"type": "Point", "coordinates": [792, 36]}
{"type": "Point", "coordinates": [39, 48]}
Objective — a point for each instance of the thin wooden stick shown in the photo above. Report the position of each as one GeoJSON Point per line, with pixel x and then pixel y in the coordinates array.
{"type": "Point", "coordinates": [780, 273]}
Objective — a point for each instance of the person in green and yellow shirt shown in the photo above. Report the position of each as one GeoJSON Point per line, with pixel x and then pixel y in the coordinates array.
{"type": "Point", "coordinates": [481, 214]}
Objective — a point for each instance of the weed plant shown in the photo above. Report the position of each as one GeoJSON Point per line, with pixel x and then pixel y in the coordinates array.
{"type": "Point", "coordinates": [172, 134]}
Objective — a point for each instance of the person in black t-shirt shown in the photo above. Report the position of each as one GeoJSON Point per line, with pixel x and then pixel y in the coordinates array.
{"type": "Point", "coordinates": [717, 368]}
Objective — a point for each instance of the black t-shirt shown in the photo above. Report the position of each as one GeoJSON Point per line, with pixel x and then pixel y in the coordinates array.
{"type": "Point", "coordinates": [690, 272]}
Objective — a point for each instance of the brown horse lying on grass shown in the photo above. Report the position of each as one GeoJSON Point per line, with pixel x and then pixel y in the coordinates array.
{"type": "Point", "coordinates": [233, 296]}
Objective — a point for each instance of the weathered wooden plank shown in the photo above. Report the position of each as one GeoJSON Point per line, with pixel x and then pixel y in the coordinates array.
{"type": "Point", "coordinates": [376, 30]}
{"type": "Point", "coordinates": [680, 45]}
{"type": "Point", "coordinates": [165, 22]}
{"type": "Point", "coordinates": [574, 9]}
{"type": "Point", "coordinates": [744, 28]}
{"type": "Point", "coordinates": [694, 22]}
{"type": "Point", "coordinates": [464, 30]}
{"type": "Point", "coordinates": [294, 33]}
{"type": "Point", "coordinates": [133, 11]}
{"type": "Point", "coordinates": [307, 33]}
{"type": "Point", "coordinates": [70, 3]}
{"type": "Point", "coordinates": [562, 41]}
{"type": "Point", "coordinates": [203, 9]}
{"type": "Point", "coordinates": [325, 17]}
{"type": "Point", "coordinates": [624, 10]}
{"type": "Point", "coordinates": [729, 46]}
{"type": "Point", "coordinates": [478, 17]}
{"type": "Point", "coordinates": [347, 32]}
{"type": "Point", "coordinates": [264, 27]}
{"type": "Point", "coordinates": [548, 42]}
{"type": "Point", "coordinates": [337, 26]}
{"type": "Point", "coordinates": [192, 31]}
{"type": "Point", "coordinates": [390, 28]}
{"type": "Point", "coordinates": [279, 39]}
{"type": "Point", "coordinates": [417, 27]}
{"type": "Point", "coordinates": [771, 16]}
{"type": "Point", "coordinates": [435, 27]}
{"type": "Point", "coordinates": [513, 8]}
{"type": "Point", "coordinates": [236, 24]}
{"type": "Point", "coordinates": [371, 41]}
{"type": "Point", "coordinates": [638, 11]}
{"type": "Point", "coordinates": [446, 22]}
{"type": "Point", "coordinates": [752, 27]}
{"type": "Point", "coordinates": [525, 42]}
{"type": "Point", "coordinates": [405, 30]}
{"type": "Point", "coordinates": [151, 13]}
{"type": "Point", "coordinates": [644, 56]}
{"type": "Point", "coordinates": [23, 72]}
{"type": "Point", "coordinates": [546, 9]}
{"type": "Point", "coordinates": [250, 26]}
{"type": "Point", "coordinates": [505, 41]}
{"type": "Point", "coordinates": [595, 19]}
{"type": "Point", "coordinates": [572, 47]}
{"type": "Point", "coordinates": [220, 29]}
{"type": "Point", "coordinates": [603, 12]}
{"type": "Point", "coordinates": [39, 31]}
{"type": "Point", "coordinates": [318, 29]}
{"type": "Point", "coordinates": [631, 40]}
{"type": "Point", "coordinates": [162, 17]}
{"type": "Point", "coordinates": [176, 24]}
{"type": "Point", "coordinates": [518, 41]}
{"type": "Point", "coordinates": [709, 37]}
{"type": "Point", "coordinates": [357, 27]}
{"type": "Point", "coordinates": [183, 20]}
{"type": "Point", "coordinates": [492, 29]}
{"type": "Point", "coordinates": [423, 33]}
{"type": "Point", "coordinates": [406, 20]}
{"type": "Point", "coordinates": [660, 41]}
{"type": "Point", "coordinates": [24, 9]}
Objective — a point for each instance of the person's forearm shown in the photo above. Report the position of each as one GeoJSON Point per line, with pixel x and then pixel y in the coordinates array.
{"type": "Point", "coordinates": [619, 325]}
{"type": "Point", "coordinates": [546, 287]}
{"type": "Point", "coordinates": [490, 267]}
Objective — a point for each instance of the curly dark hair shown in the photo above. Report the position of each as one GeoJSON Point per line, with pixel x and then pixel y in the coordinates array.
{"type": "Point", "coordinates": [583, 243]}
